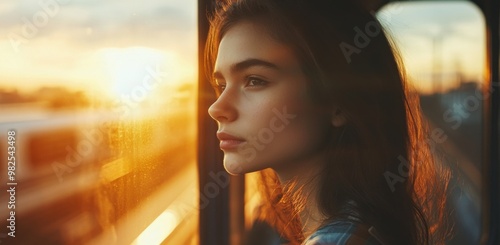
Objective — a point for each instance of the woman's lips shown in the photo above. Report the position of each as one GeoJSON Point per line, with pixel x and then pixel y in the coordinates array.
{"type": "Point", "coordinates": [228, 141]}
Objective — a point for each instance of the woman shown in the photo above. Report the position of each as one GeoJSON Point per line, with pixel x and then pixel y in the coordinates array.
{"type": "Point", "coordinates": [310, 94]}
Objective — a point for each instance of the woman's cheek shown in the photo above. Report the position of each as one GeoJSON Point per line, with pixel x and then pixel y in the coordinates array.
{"type": "Point", "coordinates": [305, 130]}
{"type": "Point", "coordinates": [265, 144]}
{"type": "Point", "coordinates": [280, 129]}
{"type": "Point", "coordinates": [291, 138]}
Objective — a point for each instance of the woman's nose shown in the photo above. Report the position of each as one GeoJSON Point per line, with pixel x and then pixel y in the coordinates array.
{"type": "Point", "coordinates": [223, 109]}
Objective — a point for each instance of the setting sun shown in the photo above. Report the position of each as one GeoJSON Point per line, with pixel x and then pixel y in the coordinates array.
{"type": "Point", "coordinates": [136, 71]}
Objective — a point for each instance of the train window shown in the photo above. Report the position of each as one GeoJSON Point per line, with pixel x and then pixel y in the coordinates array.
{"type": "Point", "coordinates": [98, 122]}
{"type": "Point", "coordinates": [443, 48]}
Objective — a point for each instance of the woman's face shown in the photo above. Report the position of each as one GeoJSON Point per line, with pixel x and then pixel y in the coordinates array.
{"type": "Point", "coordinates": [265, 114]}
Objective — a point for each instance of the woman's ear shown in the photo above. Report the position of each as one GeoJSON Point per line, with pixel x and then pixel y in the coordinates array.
{"type": "Point", "coordinates": [338, 117]}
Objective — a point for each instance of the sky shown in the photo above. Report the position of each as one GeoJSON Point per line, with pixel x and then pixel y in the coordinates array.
{"type": "Point", "coordinates": [110, 45]}
{"type": "Point", "coordinates": [95, 44]}
{"type": "Point", "coordinates": [455, 29]}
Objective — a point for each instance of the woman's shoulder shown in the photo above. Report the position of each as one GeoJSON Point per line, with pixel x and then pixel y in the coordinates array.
{"type": "Point", "coordinates": [342, 232]}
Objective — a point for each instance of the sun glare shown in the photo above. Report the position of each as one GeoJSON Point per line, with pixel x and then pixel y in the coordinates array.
{"type": "Point", "coordinates": [159, 229]}
{"type": "Point", "coordinates": [137, 70]}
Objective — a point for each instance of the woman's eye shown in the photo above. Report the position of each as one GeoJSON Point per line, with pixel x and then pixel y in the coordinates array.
{"type": "Point", "coordinates": [252, 82]}
{"type": "Point", "coordinates": [219, 87]}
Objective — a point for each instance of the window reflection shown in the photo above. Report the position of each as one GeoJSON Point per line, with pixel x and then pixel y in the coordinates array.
{"type": "Point", "coordinates": [442, 45]}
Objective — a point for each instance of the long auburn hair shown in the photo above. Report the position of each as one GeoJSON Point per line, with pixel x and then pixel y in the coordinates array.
{"type": "Point", "coordinates": [381, 171]}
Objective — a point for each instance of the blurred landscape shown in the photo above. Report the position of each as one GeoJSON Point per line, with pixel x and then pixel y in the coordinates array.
{"type": "Point", "coordinates": [459, 114]}
{"type": "Point", "coordinates": [90, 165]}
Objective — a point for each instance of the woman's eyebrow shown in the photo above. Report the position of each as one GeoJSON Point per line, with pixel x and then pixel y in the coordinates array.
{"type": "Point", "coordinates": [240, 66]}
{"type": "Point", "coordinates": [243, 65]}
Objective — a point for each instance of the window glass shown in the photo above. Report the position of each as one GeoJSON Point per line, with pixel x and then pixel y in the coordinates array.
{"type": "Point", "coordinates": [98, 121]}
{"type": "Point", "coordinates": [442, 46]}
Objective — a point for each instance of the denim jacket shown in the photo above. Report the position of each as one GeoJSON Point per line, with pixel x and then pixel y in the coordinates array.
{"type": "Point", "coordinates": [344, 233]}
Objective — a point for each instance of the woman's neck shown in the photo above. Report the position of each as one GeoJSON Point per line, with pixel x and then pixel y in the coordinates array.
{"type": "Point", "coordinates": [301, 183]}
{"type": "Point", "coordinates": [310, 215]}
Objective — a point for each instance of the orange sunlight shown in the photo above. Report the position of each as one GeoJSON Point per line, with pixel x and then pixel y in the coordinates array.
{"type": "Point", "coordinates": [137, 71]}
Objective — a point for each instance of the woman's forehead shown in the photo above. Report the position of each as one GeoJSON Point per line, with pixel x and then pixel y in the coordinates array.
{"type": "Point", "coordinates": [245, 41]}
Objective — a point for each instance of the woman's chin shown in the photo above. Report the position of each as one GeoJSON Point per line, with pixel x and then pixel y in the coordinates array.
{"type": "Point", "coordinates": [235, 166]}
